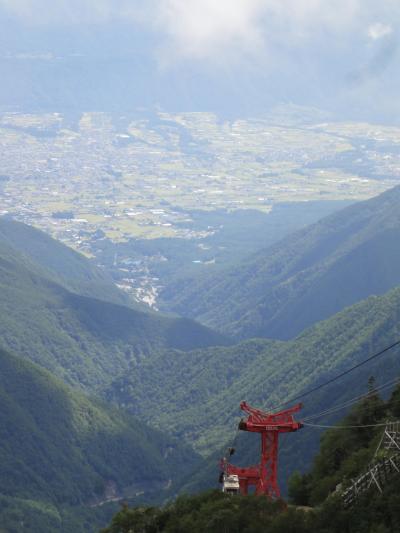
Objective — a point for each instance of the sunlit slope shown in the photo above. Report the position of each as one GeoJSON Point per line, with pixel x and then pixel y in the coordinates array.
{"type": "Point", "coordinates": [59, 262]}
{"type": "Point", "coordinates": [83, 340]}
{"type": "Point", "coordinates": [304, 278]}
{"type": "Point", "coordinates": [59, 451]}
{"type": "Point", "coordinates": [196, 395]}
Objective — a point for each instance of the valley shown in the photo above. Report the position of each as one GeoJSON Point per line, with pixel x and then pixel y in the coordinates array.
{"type": "Point", "coordinates": [79, 329]}
{"type": "Point", "coordinates": [109, 184]}
{"type": "Point", "coordinates": [57, 464]}
{"type": "Point", "coordinates": [265, 301]}
{"type": "Point", "coordinates": [305, 277]}
{"type": "Point", "coordinates": [199, 266]}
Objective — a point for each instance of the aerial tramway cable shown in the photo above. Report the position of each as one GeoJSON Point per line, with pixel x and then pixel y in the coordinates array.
{"type": "Point", "coordinates": [352, 401]}
{"type": "Point", "coordinates": [338, 376]}
{"type": "Point", "coordinates": [333, 426]}
{"type": "Point", "coordinates": [340, 406]}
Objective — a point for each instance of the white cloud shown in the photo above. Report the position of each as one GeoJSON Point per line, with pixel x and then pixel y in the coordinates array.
{"type": "Point", "coordinates": [215, 30]}
{"type": "Point", "coordinates": [224, 31]}
{"type": "Point", "coordinates": [378, 30]}
{"type": "Point", "coordinates": [202, 29]}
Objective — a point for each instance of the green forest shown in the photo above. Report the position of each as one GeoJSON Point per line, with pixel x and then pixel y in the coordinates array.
{"type": "Point", "coordinates": [104, 401]}
{"type": "Point", "coordinates": [68, 331]}
{"type": "Point", "coordinates": [303, 278]}
{"type": "Point", "coordinates": [315, 498]}
{"type": "Point", "coordinates": [64, 456]}
{"type": "Point", "coordinates": [195, 395]}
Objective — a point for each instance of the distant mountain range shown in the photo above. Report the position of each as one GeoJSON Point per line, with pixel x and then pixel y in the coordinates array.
{"type": "Point", "coordinates": [306, 277]}
{"type": "Point", "coordinates": [62, 63]}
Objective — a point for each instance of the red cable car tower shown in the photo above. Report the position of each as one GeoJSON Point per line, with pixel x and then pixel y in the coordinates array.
{"type": "Point", "coordinates": [269, 425]}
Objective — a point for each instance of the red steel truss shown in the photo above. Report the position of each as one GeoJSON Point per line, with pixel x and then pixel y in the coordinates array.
{"type": "Point", "coordinates": [269, 425]}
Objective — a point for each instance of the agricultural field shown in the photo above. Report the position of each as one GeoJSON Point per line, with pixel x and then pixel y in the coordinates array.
{"type": "Point", "coordinates": [99, 181]}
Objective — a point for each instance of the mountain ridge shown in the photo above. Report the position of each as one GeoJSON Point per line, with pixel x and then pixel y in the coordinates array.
{"type": "Point", "coordinates": [82, 339]}
{"type": "Point", "coordinates": [55, 261]}
{"type": "Point", "coordinates": [308, 276]}
{"type": "Point", "coordinates": [201, 403]}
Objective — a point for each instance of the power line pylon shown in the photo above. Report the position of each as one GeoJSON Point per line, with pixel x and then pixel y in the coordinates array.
{"type": "Point", "coordinates": [264, 476]}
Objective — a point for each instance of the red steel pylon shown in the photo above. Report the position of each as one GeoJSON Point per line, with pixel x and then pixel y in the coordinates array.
{"type": "Point", "coordinates": [265, 475]}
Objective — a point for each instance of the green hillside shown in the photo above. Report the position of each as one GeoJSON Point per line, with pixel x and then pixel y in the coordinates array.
{"type": "Point", "coordinates": [58, 262]}
{"type": "Point", "coordinates": [61, 455]}
{"type": "Point", "coordinates": [83, 340]}
{"type": "Point", "coordinates": [196, 395]}
{"type": "Point", "coordinates": [228, 236]}
{"type": "Point", "coordinates": [306, 277]}
{"type": "Point", "coordinates": [316, 506]}
{"type": "Point", "coordinates": [181, 378]}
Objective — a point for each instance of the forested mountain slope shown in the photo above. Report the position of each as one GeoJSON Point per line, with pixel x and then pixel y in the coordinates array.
{"type": "Point", "coordinates": [344, 454]}
{"type": "Point", "coordinates": [61, 454]}
{"type": "Point", "coordinates": [304, 278]}
{"type": "Point", "coordinates": [57, 261]}
{"type": "Point", "coordinates": [83, 340]}
{"type": "Point", "coordinates": [196, 395]}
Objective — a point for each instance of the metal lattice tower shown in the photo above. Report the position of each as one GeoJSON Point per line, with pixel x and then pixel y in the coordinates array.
{"type": "Point", "coordinates": [380, 469]}
{"type": "Point", "coordinates": [391, 436]}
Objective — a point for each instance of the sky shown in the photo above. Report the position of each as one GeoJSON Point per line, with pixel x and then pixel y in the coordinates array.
{"type": "Point", "coordinates": [340, 54]}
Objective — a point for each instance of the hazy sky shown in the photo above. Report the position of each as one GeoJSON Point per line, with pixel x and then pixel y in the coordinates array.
{"type": "Point", "coordinates": [323, 43]}
{"type": "Point", "coordinates": [225, 28]}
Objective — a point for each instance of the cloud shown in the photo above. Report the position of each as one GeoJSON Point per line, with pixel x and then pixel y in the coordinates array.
{"type": "Point", "coordinates": [384, 55]}
{"type": "Point", "coordinates": [200, 30]}
{"type": "Point", "coordinates": [378, 30]}
{"type": "Point", "coordinates": [232, 30]}
{"type": "Point", "coordinates": [209, 29]}
{"type": "Point", "coordinates": [224, 31]}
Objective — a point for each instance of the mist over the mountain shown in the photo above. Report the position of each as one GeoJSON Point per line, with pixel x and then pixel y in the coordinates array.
{"type": "Point", "coordinates": [233, 58]}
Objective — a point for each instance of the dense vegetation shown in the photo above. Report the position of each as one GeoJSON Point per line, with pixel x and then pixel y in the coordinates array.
{"type": "Point", "coordinates": [196, 395]}
{"type": "Point", "coordinates": [306, 277]}
{"type": "Point", "coordinates": [61, 453]}
{"type": "Point", "coordinates": [57, 262]}
{"type": "Point", "coordinates": [228, 237]}
{"type": "Point", "coordinates": [83, 340]}
{"type": "Point", "coordinates": [344, 454]}
{"type": "Point", "coordinates": [214, 512]}
{"type": "Point", "coordinates": [165, 371]}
